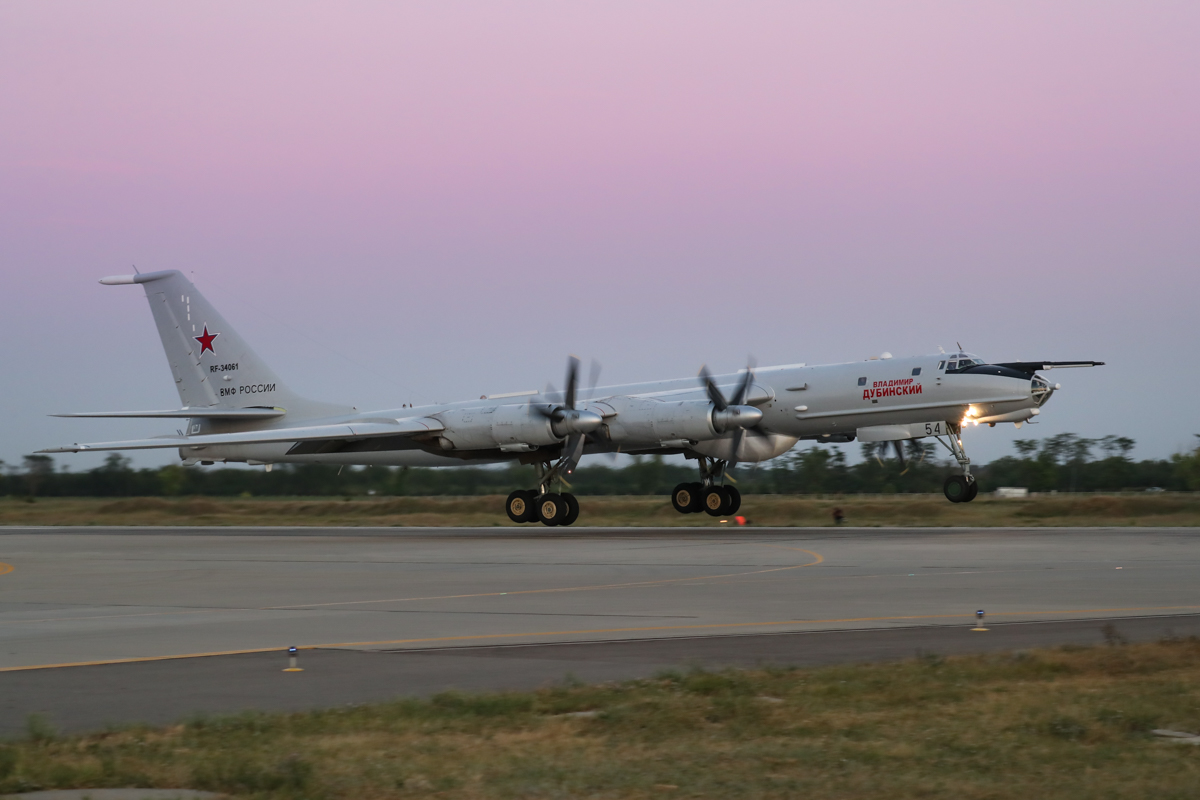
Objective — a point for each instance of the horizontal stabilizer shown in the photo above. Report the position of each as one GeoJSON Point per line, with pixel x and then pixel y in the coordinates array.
{"type": "Point", "coordinates": [347, 430]}
{"type": "Point", "coordinates": [187, 413]}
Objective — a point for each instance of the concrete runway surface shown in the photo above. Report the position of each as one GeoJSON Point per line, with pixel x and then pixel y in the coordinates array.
{"type": "Point", "coordinates": [382, 607]}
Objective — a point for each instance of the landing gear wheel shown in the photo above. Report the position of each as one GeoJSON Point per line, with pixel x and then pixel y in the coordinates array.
{"type": "Point", "coordinates": [684, 498]}
{"type": "Point", "coordinates": [572, 509]}
{"type": "Point", "coordinates": [715, 501]}
{"type": "Point", "coordinates": [531, 496]}
{"type": "Point", "coordinates": [551, 509]}
{"type": "Point", "coordinates": [956, 489]}
{"type": "Point", "coordinates": [735, 500]}
{"type": "Point", "coordinates": [697, 490]}
{"type": "Point", "coordinates": [519, 507]}
{"type": "Point", "coordinates": [972, 492]}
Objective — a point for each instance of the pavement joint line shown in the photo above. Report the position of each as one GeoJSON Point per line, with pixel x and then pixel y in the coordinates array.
{"type": "Point", "coordinates": [492, 636]}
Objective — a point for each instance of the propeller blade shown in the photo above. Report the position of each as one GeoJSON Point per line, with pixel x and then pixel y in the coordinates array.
{"type": "Point", "coordinates": [738, 435]}
{"type": "Point", "coordinates": [743, 390]}
{"type": "Point", "coordinates": [572, 452]}
{"type": "Point", "coordinates": [899, 447]}
{"type": "Point", "coordinates": [593, 378]}
{"type": "Point", "coordinates": [546, 409]}
{"type": "Point", "coordinates": [572, 381]}
{"type": "Point", "coordinates": [714, 393]}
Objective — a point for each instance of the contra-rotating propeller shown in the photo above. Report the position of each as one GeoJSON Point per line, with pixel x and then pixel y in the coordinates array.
{"type": "Point", "coordinates": [568, 421]}
{"type": "Point", "coordinates": [916, 450]}
{"type": "Point", "coordinates": [733, 413]}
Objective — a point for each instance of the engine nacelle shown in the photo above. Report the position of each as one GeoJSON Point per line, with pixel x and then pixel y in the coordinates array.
{"type": "Point", "coordinates": [754, 447]}
{"type": "Point", "coordinates": [498, 426]}
{"type": "Point", "coordinates": [641, 419]}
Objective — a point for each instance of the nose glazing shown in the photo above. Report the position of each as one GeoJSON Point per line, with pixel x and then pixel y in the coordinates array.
{"type": "Point", "coordinates": [1040, 389]}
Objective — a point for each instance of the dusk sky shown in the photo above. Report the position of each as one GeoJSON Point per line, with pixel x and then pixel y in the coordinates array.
{"type": "Point", "coordinates": [414, 202]}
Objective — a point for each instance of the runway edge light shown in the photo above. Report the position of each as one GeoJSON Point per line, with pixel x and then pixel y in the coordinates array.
{"type": "Point", "coordinates": [291, 667]}
{"type": "Point", "coordinates": [979, 621]}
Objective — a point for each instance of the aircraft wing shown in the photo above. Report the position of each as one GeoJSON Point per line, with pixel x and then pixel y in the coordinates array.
{"type": "Point", "coordinates": [187, 413]}
{"type": "Point", "coordinates": [348, 430]}
{"type": "Point", "coordinates": [1034, 366]}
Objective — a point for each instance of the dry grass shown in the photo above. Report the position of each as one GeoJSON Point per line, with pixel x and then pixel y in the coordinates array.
{"type": "Point", "coordinates": [1167, 509]}
{"type": "Point", "coordinates": [1068, 723]}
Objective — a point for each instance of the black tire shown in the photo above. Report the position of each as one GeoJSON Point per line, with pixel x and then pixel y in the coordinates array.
{"type": "Point", "coordinates": [955, 488]}
{"type": "Point", "coordinates": [972, 492]}
{"type": "Point", "coordinates": [715, 500]}
{"type": "Point", "coordinates": [531, 496]}
{"type": "Point", "coordinates": [551, 509]}
{"type": "Point", "coordinates": [683, 498]}
{"type": "Point", "coordinates": [518, 506]}
{"type": "Point", "coordinates": [572, 509]}
{"type": "Point", "coordinates": [735, 500]}
{"type": "Point", "coordinates": [697, 497]}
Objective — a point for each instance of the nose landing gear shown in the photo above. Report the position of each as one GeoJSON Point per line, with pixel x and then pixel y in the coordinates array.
{"type": "Point", "coordinates": [706, 495]}
{"type": "Point", "coordinates": [958, 488]}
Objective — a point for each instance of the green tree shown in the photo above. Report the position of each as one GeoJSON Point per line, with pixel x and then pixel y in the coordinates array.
{"type": "Point", "coordinates": [171, 479]}
{"type": "Point", "coordinates": [37, 467]}
{"type": "Point", "coordinates": [1187, 468]}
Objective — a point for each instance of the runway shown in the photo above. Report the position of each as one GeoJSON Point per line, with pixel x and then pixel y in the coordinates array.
{"type": "Point", "coordinates": [130, 597]}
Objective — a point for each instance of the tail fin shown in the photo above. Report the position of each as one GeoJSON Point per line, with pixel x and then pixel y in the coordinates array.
{"type": "Point", "coordinates": [213, 367]}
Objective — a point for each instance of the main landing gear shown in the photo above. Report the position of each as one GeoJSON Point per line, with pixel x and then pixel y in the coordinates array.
{"type": "Point", "coordinates": [542, 505]}
{"type": "Point", "coordinates": [707, 495]}
{"type": "Point", "coordinates": [958, 488]}
{"type": "Point", "coordinates": [548, 508]}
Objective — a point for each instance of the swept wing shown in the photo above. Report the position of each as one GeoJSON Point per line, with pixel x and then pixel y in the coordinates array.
{"type": "Point", "coordinates": [187, 413]}
{"type": "Point", "coordinates": [311, 433]}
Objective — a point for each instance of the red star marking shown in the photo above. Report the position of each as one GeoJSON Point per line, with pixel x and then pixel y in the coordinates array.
{"type": "Point", "coordinates": [206, 341]}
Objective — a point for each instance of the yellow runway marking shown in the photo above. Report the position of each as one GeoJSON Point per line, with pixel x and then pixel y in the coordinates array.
{"type": "Point", "coordinates": [6, 568]}
{"type": "Point", "coordinates": [597, 587]}
{"type": "Point", "coordinates": [493, 636]}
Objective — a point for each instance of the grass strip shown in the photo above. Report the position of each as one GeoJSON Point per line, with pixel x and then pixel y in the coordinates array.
{"type": "Point", "coordinates": [1065, 723]}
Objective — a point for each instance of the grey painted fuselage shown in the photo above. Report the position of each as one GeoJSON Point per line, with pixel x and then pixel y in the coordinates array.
{"type": "Point", "coordinates": [831, 402]}
{"type": "Point", "coordinates": [238, 410]}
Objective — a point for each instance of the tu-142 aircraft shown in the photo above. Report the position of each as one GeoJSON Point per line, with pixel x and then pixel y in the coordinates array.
{"type": "Point", "coordinates": [237, 410]}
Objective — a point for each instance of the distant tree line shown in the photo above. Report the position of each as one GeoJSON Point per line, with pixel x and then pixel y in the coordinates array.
{"type": "Point", "coordinates": [1064, 463]}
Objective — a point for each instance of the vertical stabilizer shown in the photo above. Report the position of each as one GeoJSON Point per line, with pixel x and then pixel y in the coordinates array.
{"type": "Point", "coordinates": [211, 364]}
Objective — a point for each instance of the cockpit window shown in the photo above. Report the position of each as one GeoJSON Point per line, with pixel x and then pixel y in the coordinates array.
{"type": "Point", "coordinates": [963, 362]}
{"type": "Point", "coordinates": [967, 360]}
{"type": "Point", "coordinates": [941, 365]}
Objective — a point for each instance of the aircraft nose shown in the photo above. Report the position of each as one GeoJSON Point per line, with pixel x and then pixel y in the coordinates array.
{"type": "Point", "coordinates": [1040, 389]}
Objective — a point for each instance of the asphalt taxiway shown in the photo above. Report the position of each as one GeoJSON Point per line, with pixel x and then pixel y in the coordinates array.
{"type": "Point", "coordinates": [121, 624]}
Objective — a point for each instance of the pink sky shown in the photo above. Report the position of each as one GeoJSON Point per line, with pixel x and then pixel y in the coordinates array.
{"type": "Point", "coordinates": [432, 201]}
